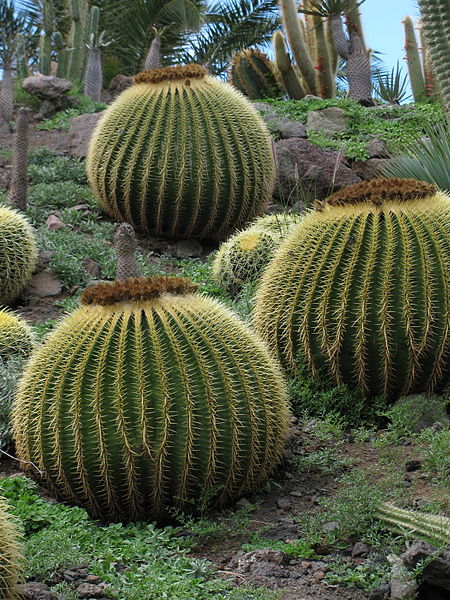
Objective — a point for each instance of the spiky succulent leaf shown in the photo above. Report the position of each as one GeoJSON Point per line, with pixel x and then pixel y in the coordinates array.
{"type": "Point", "coordinates": [150, 397]}
{"type": "Point", "coordinates": [360, 291]}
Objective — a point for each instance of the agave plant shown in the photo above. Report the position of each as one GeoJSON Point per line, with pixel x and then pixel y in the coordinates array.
{"type": "Point", "coordinates": [391, 86]}
{"type": "Point", "coordinates": [427, 159]}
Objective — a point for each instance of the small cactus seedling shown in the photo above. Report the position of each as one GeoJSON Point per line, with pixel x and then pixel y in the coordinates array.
{"type": "Point", "coordinates": [11, 557]}
{"type": "Point", "coordinates": [16, 336]}
{"type": "Point", "coordinates": [125, 245]}
{"type": "Point", "coordinates": [150, 397]}
{"type": "Point", "coordinates": [181, 155]}
{"type": "Point", "coordinates": [17, 254]}
{"type": "Point", "coordinates": [360, 293]}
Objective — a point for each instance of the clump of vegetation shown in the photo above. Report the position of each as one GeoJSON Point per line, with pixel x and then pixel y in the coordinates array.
{"type": "Point", "coordinates": [398, 126]}
{"type": "Point", "coordinates": [10, 372]}
{"type": "Point", "coordinates": [154, 562]}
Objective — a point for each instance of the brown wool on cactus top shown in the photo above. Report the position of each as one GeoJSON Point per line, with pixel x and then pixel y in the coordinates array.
{"type": "Point", "coordinates": [171, 74]}
{"type": "Point", "coordinates": [137, 289]}
{"type": "Point", "coordinates": [379, 191]}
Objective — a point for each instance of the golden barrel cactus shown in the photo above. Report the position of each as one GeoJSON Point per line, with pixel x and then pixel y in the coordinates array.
{"type": "Point", "coordinates": [17, 253]}
{"type": "Point", "coordinates": [181, 155]}
{"type": "Point", "coordinates": [16, 336]}
{"type": "Point", "coordinates": [11, 558]}
{"type": "Point", "coordinates": [150, 397]}
{"type": "Point", "coordinates": [360, 291]}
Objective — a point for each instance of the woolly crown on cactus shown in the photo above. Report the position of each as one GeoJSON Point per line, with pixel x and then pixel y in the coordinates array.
{"type": "Point", "coordinates": [181, 155]}
{"type": "Point", "coordinates": [16, 336]}
{"type": "Point", "coordinates": [17, 254]}
{"type": "Point", "coordinates": [360, 292]}
{"type": "Point", "coordinates": [11, 558]}
{"type": "Point", "coordinates": [150, 397]}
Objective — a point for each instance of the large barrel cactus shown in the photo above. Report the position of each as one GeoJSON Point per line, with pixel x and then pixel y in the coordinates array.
{"type": "Point", "coordinates": [17, 254]}
{"type": "Point", "coordinates": [16, 336]}
{"type": "Point", "coordinates": [150, 397]}
{"type": "Point", "coordinates": [360, 291]}
{"type": "Point", "coordinates": [11, 558]}
{"type": "Point", "coordinates": [181, 154]}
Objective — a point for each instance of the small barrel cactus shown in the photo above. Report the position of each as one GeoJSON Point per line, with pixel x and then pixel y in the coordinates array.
{"type": "Point", "coordinates": [17, 254]}
{"type": "Point", "coordinates": [252, 73]}
{"type": "Point", "coordinates": [150, 397]}
{"type": "Point", "coordinates": [242, 258]}
{"type": "Point", "coordinates": [181, 155]}
{"type": "Point", "coordinates": [11, 558]}
{"type": "Point", "coordinates": [360, 293]}
{"type": "Point", "coordinates": [16, 336]}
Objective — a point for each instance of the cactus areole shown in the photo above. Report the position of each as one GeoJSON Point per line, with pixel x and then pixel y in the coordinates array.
{"type": "Point", "coordinates": [181, 154]}
{"type": "Point", "coordinates": [150, 397]}
{"type": "Point", "coordinates": [360, 291]}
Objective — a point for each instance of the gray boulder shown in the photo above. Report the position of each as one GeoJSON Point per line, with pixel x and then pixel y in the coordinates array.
{"type": "Point", "coordinates": [47, 87]}
{"type": "Point", "coordinates": [307, 172]}
{"type": "Point", "coordinates": [80, 132]}
{"type": "Point", "coordinates": [331, 120]}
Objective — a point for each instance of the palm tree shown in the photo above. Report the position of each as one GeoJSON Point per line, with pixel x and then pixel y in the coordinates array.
{"type": "Point", "coordinates": [228, 27]}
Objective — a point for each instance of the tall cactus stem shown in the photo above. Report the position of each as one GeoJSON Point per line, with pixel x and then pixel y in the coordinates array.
{"type": "Point", "coordinates": [436, 26]}
{"type": "Point", "coordinates": [17, 194]}
{"type": "Point", "coordinates": [93, 79]}
{"type": "Point", "coordinates": [297, 44]}
{"type": "Point", "coordinates": [415, 71]}
{"type": "Point", "coordinates": [45, 45]}
{"type": "Point", "coordinates": [22, 64]}
{"type": "Point", "coordinates": [428, 72]}
{"type": "Point", "coordinates": [289, 77]}
{"type": "Point", "coordinates": [153, 57]}
{"type": "Point", "coordinates": [325, 76]}
{"type": "Point", "coordinates": [63, 55]}
{"type": "Point", "coordinates": [125, 245]}
{"type": "Point", "coordinates": [78, 39]}
{"type": "Point", "coordinates": [6, 97]}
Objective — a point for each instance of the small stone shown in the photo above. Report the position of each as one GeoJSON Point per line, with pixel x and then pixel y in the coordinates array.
{"type": "Point", "coordinates": [92, 579]}
{"type": "Point", "coordinates": [43, 260]}
{"type": "Point", "coordinates": [89, 590]}
{"type": "Point", "coordinates": [403, 584]}
{"type": "Point", "coordinates": [296, 494]}
{"type": "Point", "coordinates": [331, 120]}
{"type": "Point", "coordinates": [92, 267]}
{"type": "Point", "coordinates": [382, 591]}
{"type": "Point", "coordinates": [44, 284]}
{"type": "Point", "coordinates": [242, 503]}
{"type": "Point", "coordinates": [330, 526]}
{"type": "Point", "coordinates": [318, 576]}
{"type": "Point", "coordinates": [80, 207]}
{"type": "Point", "coordinates": [188, 249]}
{"type": "Point", "coordinates": [284, 503]}
{"type": "Point", "coordinates": [54, 223]}
{"type": "Point", "coordinates": [377, 148]}
{"type": "Point", "coordinates": [360, 549]}
{"type": "Point", "coordinates": [35, 591]}
{"type": "Point", "coordinates": [305, 564]}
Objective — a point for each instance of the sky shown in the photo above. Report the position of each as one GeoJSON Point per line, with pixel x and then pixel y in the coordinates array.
{"type": "Point", "coordinates": [383, 29]}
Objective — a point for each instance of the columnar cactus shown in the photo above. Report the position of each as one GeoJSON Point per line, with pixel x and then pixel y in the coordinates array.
{"type": "Point", "coordinates": [11, 558]}
{"type": "Point", "coordinates": [253, 74]}
{"type": "Point", "coordinates": [359, 292]}
{"type": "Point", "coordinates": [436, 26]}
{"type": "Point", "coordinates": [289, 77]}
{"type": "Point", "coordinates": [93, 77]}
{"type": "Point", "coordinates": [17, 193]}
{"type": "Point", "coordinates": [149, 397]}
{"type": "Point", "coordinates": [181, 154]}
{"type": "Point", "coordinates": [242, 258]}
{"type": "Point", "coordinates": [435, 528]}
{"type": "Point", "coordinates": [45, 47]}
{"type": "Point", "coordinates": [415, 69]}
{"type": "Point", "coordinates": [17, 254]}
{"type": "Point", "coordinates": [16, 336]}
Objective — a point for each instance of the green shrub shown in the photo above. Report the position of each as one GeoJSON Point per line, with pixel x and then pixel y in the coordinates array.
{"type": "Point", "coordinates": [47, 167]}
